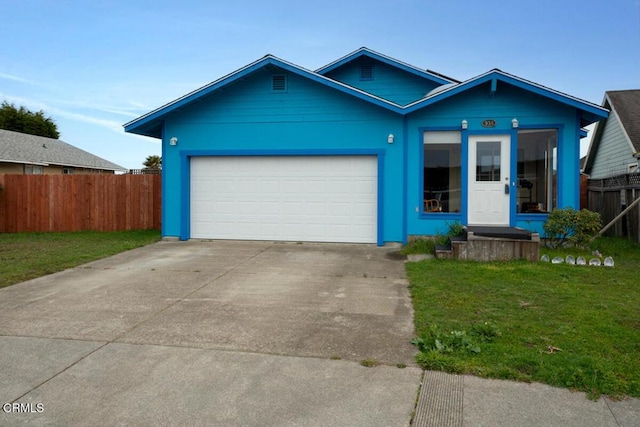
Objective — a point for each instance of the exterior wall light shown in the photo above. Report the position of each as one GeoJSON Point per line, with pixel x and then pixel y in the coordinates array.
{"type": "Point", "coordinates": [390, 138]}
{"type": "Point", "coordinates": [173, 141]}
{"type": "Point", "coordinates": [514, 123]}
{"type": "Point", "coordinates": [465, 124]}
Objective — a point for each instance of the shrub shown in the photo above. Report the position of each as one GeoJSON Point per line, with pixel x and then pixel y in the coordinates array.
{"type": "Point", "coordinates": [571, 226]}
{"type": "Point", "coordinates": [455, 229]}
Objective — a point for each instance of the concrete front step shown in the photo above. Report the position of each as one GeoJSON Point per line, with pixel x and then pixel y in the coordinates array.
{"type": "Point", "coordinates": [493, 244]}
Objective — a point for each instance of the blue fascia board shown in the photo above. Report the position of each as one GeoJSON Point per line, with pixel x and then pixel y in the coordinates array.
{"type": "Point", "coordinates": [152, 116]}
{"type": "Point", "coordinates": [142, 123]}
{"type": "Point", "coordinates": [591, 112]}
{"type": "Point", "coordinates": [148, 124]}
{"type": "Point", "coordinates": [363, 51]}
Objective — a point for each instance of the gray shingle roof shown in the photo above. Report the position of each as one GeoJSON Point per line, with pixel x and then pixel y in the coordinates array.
{"type": "Point", "coordinates": [626, 104]}
{"type": "Point", "coordinates": [16, 147]}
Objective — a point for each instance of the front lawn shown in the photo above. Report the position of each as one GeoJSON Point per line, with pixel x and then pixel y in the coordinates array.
{"type": "Point", "coordinates": [24, 256]}
{"type": "Point", "coordinates": [565, 325]}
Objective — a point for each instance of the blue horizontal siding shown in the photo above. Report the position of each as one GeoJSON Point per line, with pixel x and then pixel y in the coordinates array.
{"type": "Point", "coordinates": [311, 119]}
{"type": "Point", "coordinates": [476, 105]}
{"type": "Point", "coordinates": [308, 119]}
{"type": "Point", "coordinates": [388, 82]}
{"type": "Point", "coordinates": [614, 152]}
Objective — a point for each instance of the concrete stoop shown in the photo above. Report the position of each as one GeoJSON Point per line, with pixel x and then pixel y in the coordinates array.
{"type": "Point", "coordinates": [492, 244]}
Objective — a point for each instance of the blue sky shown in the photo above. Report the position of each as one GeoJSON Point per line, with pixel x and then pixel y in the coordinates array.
{"type": "Point", "coordinates": [93, 66]}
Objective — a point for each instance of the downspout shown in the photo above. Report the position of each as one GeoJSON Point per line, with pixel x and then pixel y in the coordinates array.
{"type": "Point", "coordinates": [405, 179]}
{"type": "Point", "coordinates": [163, 196]}
{"type": "Point", "coordinates": [576, 169]}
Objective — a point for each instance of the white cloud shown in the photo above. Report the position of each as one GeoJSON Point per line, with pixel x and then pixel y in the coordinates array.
{"type": "Point", "coordinates": [108, 124]}
{"type": "Point", "coordinates": [14, 78]}
{"type": "Point", "coordinates": [61, 112]}
{"type": "Point", "coordinates": [55, 112]}
{"type": "Point", "coordinates": [99, 107]}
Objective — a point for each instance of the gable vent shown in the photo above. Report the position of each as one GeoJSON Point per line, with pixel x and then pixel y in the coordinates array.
{"type": "Point", "coordinates": [279, 83]}
{"type": "Point", "coordinates": [366, 72]}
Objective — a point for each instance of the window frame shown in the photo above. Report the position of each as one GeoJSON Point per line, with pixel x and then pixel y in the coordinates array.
{"type": "Point", "coordinates": [452, 216]}
{"type": "Point", "coordinates": [556, 195]}
{"type": "Point", "coordinates": [30, 169]}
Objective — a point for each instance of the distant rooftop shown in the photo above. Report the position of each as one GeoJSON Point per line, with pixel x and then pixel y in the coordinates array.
{"type": "Point", "coordinates": [16, 147]}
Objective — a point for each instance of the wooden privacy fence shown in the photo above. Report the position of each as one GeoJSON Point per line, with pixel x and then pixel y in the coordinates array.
{"type": "Point", "coordinates": [79, 202]}
{"type": "Point", "coordinates": [610, 196]}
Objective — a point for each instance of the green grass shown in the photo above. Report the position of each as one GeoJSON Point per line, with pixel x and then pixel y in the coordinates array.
{"type": "Point", "coordinates": [25, 256]}
{"type": "Point", "coordinates": [369, 363]}
{"type": "Point", "coordinates": [419, 246]}
{"type": "Point", "coordinates": [569, 326]}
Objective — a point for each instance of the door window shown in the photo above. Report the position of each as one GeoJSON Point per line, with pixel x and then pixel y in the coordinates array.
{"type": "Point", "coordinates": [488, 161]}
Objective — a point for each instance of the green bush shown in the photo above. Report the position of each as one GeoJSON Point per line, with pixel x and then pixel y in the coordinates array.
{"type": "Point", "coordinates": [571, 226]}
{"type": "Point", "coordinates": [455, 229]}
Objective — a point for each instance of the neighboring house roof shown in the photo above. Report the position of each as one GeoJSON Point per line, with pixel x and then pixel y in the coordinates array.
{"type": "Point", "coordinates": [150, 124]}
{"type": "Point", "coordinates": [365, 52]}
{"type": "Point", "coordinates": [583, 162]}
{"type": "Point", "coordinates": [626, 104]}
{"type": "Point", "coordinates": [625, 107]}
{"type": "Point", "coordinates": [16, 147]}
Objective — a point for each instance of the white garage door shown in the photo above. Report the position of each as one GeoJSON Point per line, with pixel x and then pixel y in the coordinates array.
{"type": "Point", "coordinates": [290, 198]}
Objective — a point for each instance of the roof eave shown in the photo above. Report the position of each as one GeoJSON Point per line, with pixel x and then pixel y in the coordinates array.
{"type": "Point", "coordinates": [590, 113]}
{"type": "Point", "coordinates": [623, 123]}
{"type": "Point", "coordinates": [137, 126]}
{"type": "Point", "coordinates": [595, 141]}
{"type": "Point", "coordinates": [63, 164]}
{"type": "Point", "coordinates": [363, 51]}
{"type": "Point", "coordinates": [147, 124]}
{"type": "Point", "coordinates": [23, 162]}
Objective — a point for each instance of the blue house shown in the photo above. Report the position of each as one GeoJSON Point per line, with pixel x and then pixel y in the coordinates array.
{"type": "Point", "coordinates": [366, 149]}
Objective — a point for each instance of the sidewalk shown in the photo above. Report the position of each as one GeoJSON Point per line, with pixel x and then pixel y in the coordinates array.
{"type": "Point", "coordinates": [463, 400]}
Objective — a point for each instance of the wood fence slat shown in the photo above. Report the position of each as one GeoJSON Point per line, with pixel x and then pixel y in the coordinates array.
{"type": "Point", "coordinates": [79, 202]}
{"type": "Point", "coordinates": [3, 204]}
{"type": "Point", "coordinates": [605, 196]}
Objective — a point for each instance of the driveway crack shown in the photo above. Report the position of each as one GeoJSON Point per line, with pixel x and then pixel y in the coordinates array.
{"type": "Point", "coordinates": [59, 373]}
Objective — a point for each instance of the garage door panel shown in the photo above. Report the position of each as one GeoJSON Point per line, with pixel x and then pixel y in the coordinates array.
{"type": "Point", "coordinates": [323, 198]}
{"type": "Point", "coordinates": [269, 186]}
{"type": "Point", "coordinates": [268, 209]}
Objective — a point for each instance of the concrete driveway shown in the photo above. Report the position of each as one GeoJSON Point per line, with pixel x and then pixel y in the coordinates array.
{"type": "Point", "coordinates": [212, 333]}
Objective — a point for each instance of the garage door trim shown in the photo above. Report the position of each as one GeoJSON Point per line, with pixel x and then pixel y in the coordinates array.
{"type": "Point", "coordinates": [185, 177]}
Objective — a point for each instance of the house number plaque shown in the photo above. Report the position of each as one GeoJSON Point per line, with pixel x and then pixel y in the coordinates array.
{"type": "Point", "coordinates": [489, 123]}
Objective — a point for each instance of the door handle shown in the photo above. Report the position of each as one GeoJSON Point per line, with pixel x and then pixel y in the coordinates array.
{"type": "Point", "coordinates": [506, 189]}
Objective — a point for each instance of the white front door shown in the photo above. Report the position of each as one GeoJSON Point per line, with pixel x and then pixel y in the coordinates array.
{"type": "Point", "coordinates": [489, 186]}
